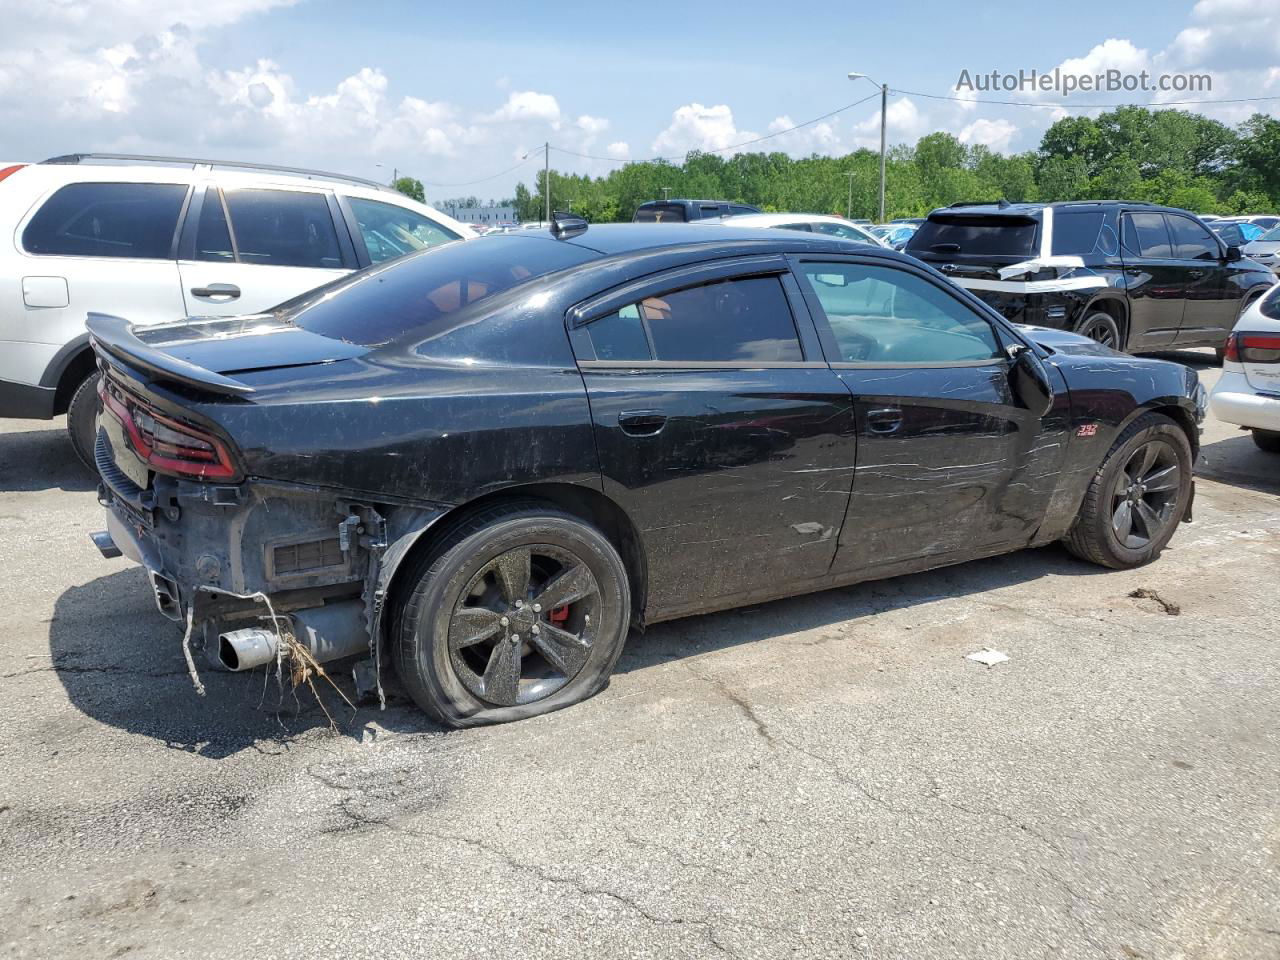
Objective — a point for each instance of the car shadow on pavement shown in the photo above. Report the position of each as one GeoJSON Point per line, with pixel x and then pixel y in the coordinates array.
{"type": "Point", "coordinates": [1238, 461]}
{"type": "Point", "coordinates": [122, 664]}
{"type": "Point", "coordinates": [42, 459]}
{"type": "Point", "coordinates": [671, 641]}
{"type": "Point", "coordinates": [1196, 359]}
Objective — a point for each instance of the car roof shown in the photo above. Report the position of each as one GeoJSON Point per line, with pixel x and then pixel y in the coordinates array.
{"type": "Point", "coordinates": [619, 238]}
{"type": "Point", "coordinates": [1030, 209]}
{"type": "Point", "coordinates": [768, 219]}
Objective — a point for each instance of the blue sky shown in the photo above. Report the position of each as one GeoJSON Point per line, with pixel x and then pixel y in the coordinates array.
{"type": "Point", "coordinates": [457, 92]}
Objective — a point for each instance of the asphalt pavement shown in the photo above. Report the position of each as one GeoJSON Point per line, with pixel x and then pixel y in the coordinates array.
{"type": "Point", "coordinates": [820, 777]}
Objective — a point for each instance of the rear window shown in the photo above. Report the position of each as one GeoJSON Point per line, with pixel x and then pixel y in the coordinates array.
{"type": "Point", "coordinates": [134, 220]}
{"type": "Point", "coordinates": [424, 291]}
{"type": "Point", "coordinates": [1076, 232]}
{"type": "Point", "coordinates": [661, 213]}
{"type": "Point", "coordinates": [1005, 236]}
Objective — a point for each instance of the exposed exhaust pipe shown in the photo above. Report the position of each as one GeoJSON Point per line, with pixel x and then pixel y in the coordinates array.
{"type": "Point", "coordinates": [106, 546]}
{"type": "Point", "coordinates": [247, 648]}
{"type": "Point", "coordinates": [330, 632]}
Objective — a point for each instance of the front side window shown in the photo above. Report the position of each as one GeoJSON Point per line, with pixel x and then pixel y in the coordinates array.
{"type": "Point", "coordinates": [1146, 235]}
{"type": "Point", "coordinates": [841, 230]}
{"type": "Point", "coordinates": [886, 315]}
{"type": "Point", "coordinates": [283, 228]}
{"type": "Point", "coordinates": [746, 320]}
{"type": "Point", "coordinates": [1192, 241]}
{"type": "Point", "coordinates": [391, 231]}
{"type": "Point", "coordinates": [134, 220]}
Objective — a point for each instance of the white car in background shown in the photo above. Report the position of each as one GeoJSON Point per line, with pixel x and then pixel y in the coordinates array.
{"type": "Point", "coordinates": [154, 239]}
{"type": "Point", "coordinates": [811, 222]}
{"type": "Point", "coordinates": [1248, 392]}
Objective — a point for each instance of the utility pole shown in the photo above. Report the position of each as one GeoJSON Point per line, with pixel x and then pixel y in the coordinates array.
{"type": "Point", "coordinates": [666, 192]}
{"type": "Point", "coordinates": [546, 178]}
{"type": "Point", "coordinates": [848, 209]}
{"type": "Point", "coordinates": [884, 105]}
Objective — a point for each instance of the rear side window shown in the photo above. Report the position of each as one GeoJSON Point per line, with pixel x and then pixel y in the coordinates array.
{"type": "Point", "coordinates": [426, 294]}
{"type": "Point", "coordinates": [283, 228]}
{"type": "Point", "coordinates": [134, 220]}
{"type": "Point", "coordinates": [747, 320]}
{"type": "Point", "coordinates": [711, 211]}
{"type": "Point", "coordinates": [1146, 235]}
{"type": "Point", "coordinates": [1076, 232]}
{"type": "Point", "coordinates": [391, 231]}
{"type": "Point", "coordinates": [1192, 241]}
{"type": "Point", "coordinates": [213, 237]}
{"type": "Point", "coordinates": [1004, 236]}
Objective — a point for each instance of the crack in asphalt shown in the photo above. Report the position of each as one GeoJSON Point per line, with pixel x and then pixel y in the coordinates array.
{"type": "Point", "coordinates": [109, 668]}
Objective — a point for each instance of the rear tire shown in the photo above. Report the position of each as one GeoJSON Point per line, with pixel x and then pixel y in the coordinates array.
{"type": "Point", "coordinates": [1135, 501]}
{"type": "Point", "coordinates": [519, 611]}
{"type": "Point", "coordinates": [82, 415]}
{"type": "Point", "coordinates": [1268, 440]}
{"type": "Point", "coordinates": [1103, 328]}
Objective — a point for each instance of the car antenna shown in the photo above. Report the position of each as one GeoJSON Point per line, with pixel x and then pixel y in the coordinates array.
{"type": "Point", "coordinates": [565, 225]}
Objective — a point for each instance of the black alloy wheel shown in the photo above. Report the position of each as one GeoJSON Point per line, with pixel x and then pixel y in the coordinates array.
{"type": "Point", "coordinates": [1102, 327]}
{"type": "Point", "coordinates": [1137, 497]}
{"type": "Point", "coordinates": [518, 610]}
{"type": "Point", "coordinates": [1145, 494]}
{"type": "Point", "coordinates": [524, 626]}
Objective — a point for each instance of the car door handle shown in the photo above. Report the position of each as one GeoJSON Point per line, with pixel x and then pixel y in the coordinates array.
{"type": "Point", "coordinates": [217, 291]}
{"type": "Point", "coordinates": [884, 419]}
{"type": "Point", "coordinates": [1195, 274]}
{"type": "Point", "coordinates": [641, 423]}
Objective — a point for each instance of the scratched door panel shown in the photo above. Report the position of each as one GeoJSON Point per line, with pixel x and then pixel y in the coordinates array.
{"type": "Point", "coordinates": [958, 468]}
{"type": "Point", "coordinates": [744, 485]}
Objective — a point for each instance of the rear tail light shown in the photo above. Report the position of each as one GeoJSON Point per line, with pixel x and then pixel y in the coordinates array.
{"type": "Point", "coordinates": [8, 171]}
{"type": "Point", "coordinates": [1253, 348]}
{"type": "Point", "coordinates": [166, 445]}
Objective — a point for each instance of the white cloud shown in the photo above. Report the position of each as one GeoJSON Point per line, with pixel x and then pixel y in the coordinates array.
{"type": "Point", "coordinates": [619, 150]}
{"type": "Point", "coordinates": [695, 127]}
{"type": "Point", "coordinates": [527, 106]}
{"type": "Point", "coordinates": [995, 134]}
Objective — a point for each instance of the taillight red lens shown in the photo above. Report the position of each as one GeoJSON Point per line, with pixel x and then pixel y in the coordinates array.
{"type": "Point", "coordinates": [6, 171]}
{"type": "Point", "coordinates": [166, 445]}
{"type": "Point", "coordinates": [1253, 348]}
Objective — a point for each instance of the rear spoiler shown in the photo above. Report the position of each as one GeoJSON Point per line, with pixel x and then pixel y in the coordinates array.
{"type": "Point", "coordinates": [114, 336]}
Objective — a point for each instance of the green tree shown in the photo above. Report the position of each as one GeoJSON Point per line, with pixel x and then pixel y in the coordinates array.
{"type": "Point", "coordinates": [410, 187]}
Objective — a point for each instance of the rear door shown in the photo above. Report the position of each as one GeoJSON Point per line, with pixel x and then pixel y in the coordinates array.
{"type": "Point", "coordinates": [1212, 303]}
{"type": "Point", "coordinates": [90, 246]}
{"type": "Point", "coordinates": [721, 430]}
{"type": "Point", "coordinates": [1155, 282]}
{"type": "Point", "coordinates": [247, 249]}
{"type": "Point", "coordinates": [950, 463]}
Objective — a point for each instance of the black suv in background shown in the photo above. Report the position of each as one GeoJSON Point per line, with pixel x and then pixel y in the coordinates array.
{"type": "Point", "coordinates": [1133, 276]}
{"type": "Point", "coordinates": [682, 211]}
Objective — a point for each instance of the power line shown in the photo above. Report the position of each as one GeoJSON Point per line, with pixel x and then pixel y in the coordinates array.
{"type": "Point", "coordinates": [495, 176]}
{"type": "Point", "coordinates": [1062, 105]}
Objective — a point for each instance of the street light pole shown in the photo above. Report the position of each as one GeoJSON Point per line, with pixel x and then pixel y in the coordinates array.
{"type": "Point", "coordinates": [546, 177]}
{"type": "Point", "coordinates": [884, 104]}
{"type": "Point", "coordinates": [848, 209]}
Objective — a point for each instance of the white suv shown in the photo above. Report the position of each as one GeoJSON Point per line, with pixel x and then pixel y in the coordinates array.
{"type": "Point", "coordinates": [154, 239]}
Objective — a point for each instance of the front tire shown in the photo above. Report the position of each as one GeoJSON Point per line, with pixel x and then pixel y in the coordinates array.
{"type": "Point", "coordinates": [519, 611]}
{"type": "Point", "coordinates": [1137, 497]}
{"type": "Point", "coordinates": [82, 415]}
{"type": "Point", "coordinates": [1268, 440]}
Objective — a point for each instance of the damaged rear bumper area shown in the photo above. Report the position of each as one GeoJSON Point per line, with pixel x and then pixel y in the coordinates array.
{"type": "Point", "coordinates": [258, 571]}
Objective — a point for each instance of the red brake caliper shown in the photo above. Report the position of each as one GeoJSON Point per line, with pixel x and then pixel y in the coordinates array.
{"type": "Point", "coordinates": [559, 615]}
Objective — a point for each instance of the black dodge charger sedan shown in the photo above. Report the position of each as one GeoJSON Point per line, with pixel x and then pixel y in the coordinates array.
{"type": "Point", "coordinates": [482, 464]}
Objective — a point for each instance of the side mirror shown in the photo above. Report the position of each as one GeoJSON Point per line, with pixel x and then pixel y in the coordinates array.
{"type": "Point", "coordinates": [1030, 380]}
{"type": "Point", "coordinates": [1234, 253]}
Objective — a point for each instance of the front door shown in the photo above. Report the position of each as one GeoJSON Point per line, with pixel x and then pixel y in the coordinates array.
{"type": "Point", "coordinates": [1156, 283]}
{"type": "Point", "coordinates": [247, 250]}
{"type": "Point", "coordinates": [1212, 303]}
{"type": "Point", "coordinates": [720, 430]}
{"type": "Point", "coordinates": [950, 463]}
